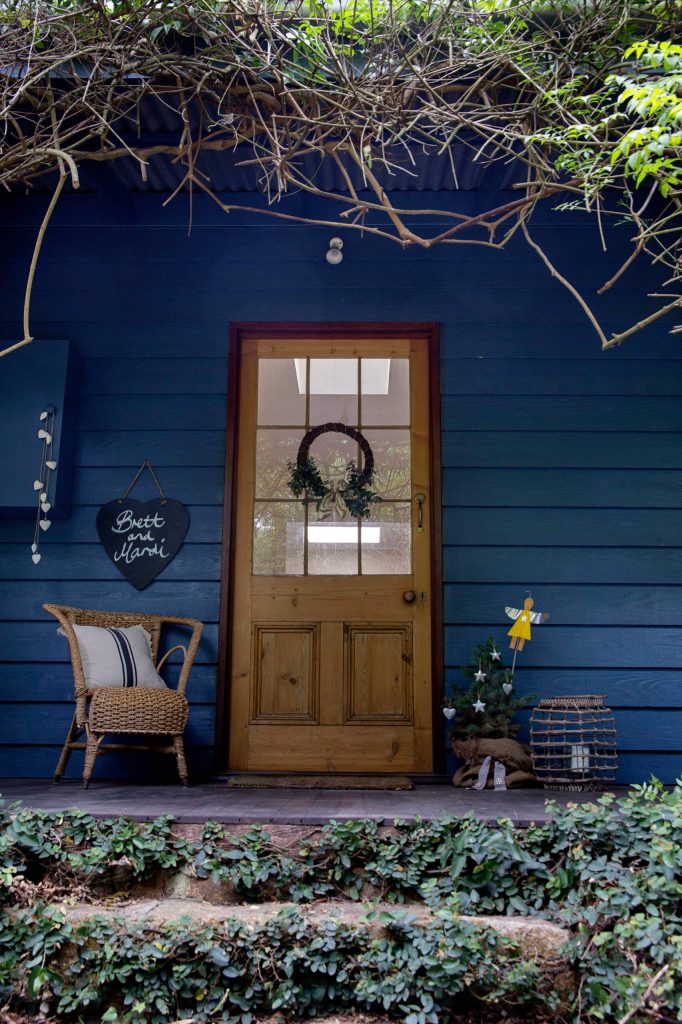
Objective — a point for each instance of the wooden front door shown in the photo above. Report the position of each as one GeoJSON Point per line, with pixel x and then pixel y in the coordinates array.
{"type": "Point", "coordinates": [331, 627]}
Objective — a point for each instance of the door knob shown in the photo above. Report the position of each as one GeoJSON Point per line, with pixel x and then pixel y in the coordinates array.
{"type": "Point", "coordinates": [409, 596]}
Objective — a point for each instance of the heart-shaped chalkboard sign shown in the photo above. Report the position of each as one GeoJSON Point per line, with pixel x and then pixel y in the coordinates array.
{"type": "Point", "coordinates": [142, 537]}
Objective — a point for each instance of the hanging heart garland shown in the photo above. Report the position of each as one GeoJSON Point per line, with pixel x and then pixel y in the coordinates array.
{"type": "Point", "coordinates": [41, 485]}
{"type": "Point", "coordinates": [350, 496]}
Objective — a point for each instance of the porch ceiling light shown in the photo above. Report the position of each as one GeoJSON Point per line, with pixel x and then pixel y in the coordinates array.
{"type": "Point", "coordinates": [340, 376]}
{"type": "Point", "coordinates": [334, 254]}
{"type": "Point", "coordinates": [340, 534]}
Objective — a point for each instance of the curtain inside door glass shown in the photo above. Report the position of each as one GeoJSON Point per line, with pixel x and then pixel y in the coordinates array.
{"type": "Point", "coordinates": [290, 538]}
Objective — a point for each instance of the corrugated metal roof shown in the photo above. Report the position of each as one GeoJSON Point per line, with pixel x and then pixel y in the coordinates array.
{"type": "Point", "coordinates": [413, 170]}
{"type": "Point", "coordinates": [418, 172]}
{"type": "Point", "coordinates": [155, 122]}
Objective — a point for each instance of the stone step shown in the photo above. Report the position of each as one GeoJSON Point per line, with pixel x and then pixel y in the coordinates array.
{"type": "Point", "coordinates": [535, 936]}
{"type": "Point", "coordinates": [539, 940]}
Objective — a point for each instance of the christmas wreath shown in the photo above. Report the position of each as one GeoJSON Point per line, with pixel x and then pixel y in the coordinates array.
{"type": "Point", "coordinates": [351, 496]}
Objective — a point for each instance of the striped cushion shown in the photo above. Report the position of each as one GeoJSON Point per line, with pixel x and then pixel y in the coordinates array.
{"type": "Point", "coordinates": [117, 657]}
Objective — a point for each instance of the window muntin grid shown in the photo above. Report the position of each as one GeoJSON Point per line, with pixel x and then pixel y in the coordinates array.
{"type": "Point", "coordinates": [372, 395]}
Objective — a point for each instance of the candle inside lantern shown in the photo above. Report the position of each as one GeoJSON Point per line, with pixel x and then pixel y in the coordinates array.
{"type": "Point", "coordinates": [580, 757]}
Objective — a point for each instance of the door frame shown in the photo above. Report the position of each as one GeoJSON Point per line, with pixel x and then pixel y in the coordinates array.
{"type": "Point", "coordinates": [240, 330]}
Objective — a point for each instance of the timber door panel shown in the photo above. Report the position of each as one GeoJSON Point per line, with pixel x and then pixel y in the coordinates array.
{"type": "Point", "coordinates": [285, 665]}
{"type": "Point", "coordinates": [331, 630]}
{"type": "Point", "coordinates": [378, 673]}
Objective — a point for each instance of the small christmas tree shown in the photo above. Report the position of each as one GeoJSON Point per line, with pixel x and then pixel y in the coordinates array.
{"type": "Point", "coordinates": [487, 706]}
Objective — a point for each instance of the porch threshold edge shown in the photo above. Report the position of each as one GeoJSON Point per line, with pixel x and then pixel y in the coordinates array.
{"type": "Point", "coordinates": [214, 801]}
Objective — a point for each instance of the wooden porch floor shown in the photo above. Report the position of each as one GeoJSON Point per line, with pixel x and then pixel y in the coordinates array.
{"type": "Point", "coordinates": [214, 801]}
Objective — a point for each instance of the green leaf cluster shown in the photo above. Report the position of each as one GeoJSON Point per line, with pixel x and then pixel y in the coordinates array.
{"type": "Point", "coordinates": [652, 96]}
{"type": "Point", "coordinates": [353, 496]}
{"type": "Point", "coordinates": [237, 973]}
{"type": "Point", "coordinates": [629, 128]}
{"type": "Point", "coordinates": [76, 845]}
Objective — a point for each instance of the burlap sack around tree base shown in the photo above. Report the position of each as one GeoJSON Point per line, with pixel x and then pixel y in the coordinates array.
{"type": "Point", "coordinates": [514, 756]}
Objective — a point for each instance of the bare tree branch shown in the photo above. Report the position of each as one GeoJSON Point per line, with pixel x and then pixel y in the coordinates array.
{"type": "Point", "coordinates": [367, 89]}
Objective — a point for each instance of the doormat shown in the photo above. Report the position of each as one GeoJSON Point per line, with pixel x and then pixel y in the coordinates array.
{"type": "Point", "coordinates": [248, 781]}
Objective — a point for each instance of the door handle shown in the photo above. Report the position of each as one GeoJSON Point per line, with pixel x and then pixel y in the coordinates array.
{"type": "Point", "coordinates": [421, 501]}
{"type": "Point", "coordinates": [409, 596]}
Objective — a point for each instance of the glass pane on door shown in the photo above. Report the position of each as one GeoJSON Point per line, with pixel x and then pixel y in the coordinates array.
{"type": "Point", "coordinates": [318, 534]}
{"type": "Point", "coordinates": [281, 392]}
{"type": "Point", "coordinates": [275, 449]}
{"type": "Point", "coordinates": [386, 540]}
{"type": "Point", "coordinates": [332, 547]}
{"type": "Point", "coordinates": [385, 392]}
{"type": "Point", "coordinates": [278, 532]}
{"type": "Point", "coordinates": [334, 391]}
{"type": "Point", "coordinates": [392, 458]}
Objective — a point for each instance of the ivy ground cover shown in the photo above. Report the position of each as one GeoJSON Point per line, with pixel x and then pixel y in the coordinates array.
{"type": "Point", "coordinates": [609, 872]}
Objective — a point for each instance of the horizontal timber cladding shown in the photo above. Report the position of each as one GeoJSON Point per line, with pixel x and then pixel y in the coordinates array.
{"type": "Point", "coordinates": [562, 465]}
{"type": "Point", "coordinates": [578, 565]}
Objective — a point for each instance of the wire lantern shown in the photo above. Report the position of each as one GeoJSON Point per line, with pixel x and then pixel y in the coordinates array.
{"type": "Point", "coordinates": [573, 743]}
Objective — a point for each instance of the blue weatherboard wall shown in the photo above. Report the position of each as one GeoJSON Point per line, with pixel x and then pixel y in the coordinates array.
{"type": "Point", "coordinates": [562, 466]}
{"type": "Point", "coordinates": [39, 376]}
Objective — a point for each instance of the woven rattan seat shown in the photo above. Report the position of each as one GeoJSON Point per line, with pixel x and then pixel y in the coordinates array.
{"type": "Point", "coordinates": [111, 710]}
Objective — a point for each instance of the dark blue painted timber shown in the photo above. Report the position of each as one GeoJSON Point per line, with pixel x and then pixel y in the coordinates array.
{"type": "Point", "coordinates": [39, 377]}
{"type": "Point", "coordinates": [562, 465]}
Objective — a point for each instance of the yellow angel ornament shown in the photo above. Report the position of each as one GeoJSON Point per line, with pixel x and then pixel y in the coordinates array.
{"type": "Point", "coordinates": [523, 617]}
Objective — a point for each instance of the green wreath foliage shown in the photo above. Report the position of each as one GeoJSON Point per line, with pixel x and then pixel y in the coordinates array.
{"type": "Point", "coordinates": [353, 496]}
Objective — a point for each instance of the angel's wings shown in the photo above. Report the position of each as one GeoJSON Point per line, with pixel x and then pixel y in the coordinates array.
{"type": "Point", "coordinates": [535, 617]}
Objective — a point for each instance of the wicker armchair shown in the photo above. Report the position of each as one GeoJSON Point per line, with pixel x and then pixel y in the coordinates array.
{"type": "Point", "coordinates": [110, 710]}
